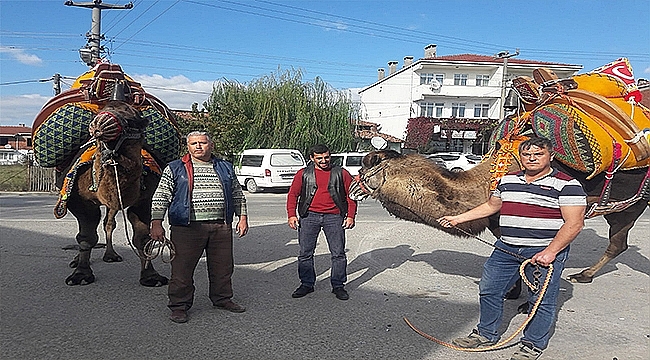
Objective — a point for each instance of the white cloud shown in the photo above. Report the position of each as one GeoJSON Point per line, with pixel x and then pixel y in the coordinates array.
{"type": "Point", "coordinates": [177, 92]}
{"type": "Point", "coordinates": [647, 70]}
{"type": "Point", "coordinates": [21, 109]}
{"type": "Point", "coordinates": [21, 55]}
{"type": "Point", "coordinates": [332, 25]}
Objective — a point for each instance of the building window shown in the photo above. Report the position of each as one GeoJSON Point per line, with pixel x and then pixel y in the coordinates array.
{"type": "Point", "coordinates": [460, 79]}
{"type": "Point", "coordinates": [457, 109]}
{"type": "Point", "coordinates": [426, 79]}
{"type": "Point", "coordinates": [481, 110]}
{"type": "Point", "coordinates": [482, 80]}
{"type": "Point", "coordinates": [426, 109]}
{"type": "Point", "coordinates": [439, 107]}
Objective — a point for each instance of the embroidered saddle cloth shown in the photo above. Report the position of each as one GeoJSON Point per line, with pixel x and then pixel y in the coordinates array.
{"type": "Point", "coordinates": [586, 118]}
{"type": "Point", "coordinates": [61, 127]}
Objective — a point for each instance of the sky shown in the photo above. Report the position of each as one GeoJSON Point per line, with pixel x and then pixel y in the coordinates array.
{"type": "Point", "coordinates": [177, 49]}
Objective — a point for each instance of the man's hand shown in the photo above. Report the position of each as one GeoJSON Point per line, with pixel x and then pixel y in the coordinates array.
{"type": "Point", "coordinates": [543, 258]}
{"type": "Point", "coordinates": [242, 226]}
{"type": "Point", "coordinates": [293, 222]}
{"type": "Point", "coordinates": [156, 231]}
{"type": "Point", "coordinates": [348, 223]}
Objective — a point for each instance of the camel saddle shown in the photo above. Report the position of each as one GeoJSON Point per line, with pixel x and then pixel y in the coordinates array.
{"type": "Point", "coordinates": [61, 127]}
{"type": "Point", "coordinates": [587, 117]}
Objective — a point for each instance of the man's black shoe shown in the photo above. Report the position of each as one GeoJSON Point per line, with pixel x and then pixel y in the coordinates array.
{"type": "Point", "coordinates": [301, 291]}
{"type": "Point", "coordinates": [340, 293]}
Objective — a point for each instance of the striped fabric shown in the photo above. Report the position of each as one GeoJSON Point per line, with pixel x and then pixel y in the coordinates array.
{"type": "Point", "coordinates": [208, 202]}
{"type": "Point", "coordinates": [530, 213]}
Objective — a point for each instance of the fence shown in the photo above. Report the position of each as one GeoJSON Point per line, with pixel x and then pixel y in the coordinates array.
{"type": "Point", "coordinates": [40, 178]}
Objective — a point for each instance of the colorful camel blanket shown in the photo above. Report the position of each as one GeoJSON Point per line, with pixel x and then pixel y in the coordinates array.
{"type": "Point", "coordinates": [61, 127]}
{"type": "Point", "coordinates": [149, 166]}
{"type": "Point", "coordinates": [589, 118]}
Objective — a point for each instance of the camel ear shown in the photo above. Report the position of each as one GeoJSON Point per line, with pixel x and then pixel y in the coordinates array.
{"type": "Point", "coordinates": [371, 160]}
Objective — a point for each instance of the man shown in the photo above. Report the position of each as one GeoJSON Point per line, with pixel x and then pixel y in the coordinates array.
{"type": "Point", "coordinates": [320, 193]}
{"type": "Point", "coordinates": [542, 211]}
{"type": "Point", "coordinates": [201, 194]}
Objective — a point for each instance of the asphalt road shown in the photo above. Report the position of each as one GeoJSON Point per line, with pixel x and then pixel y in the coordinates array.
{"type": "Point", "coordinates": [396, 269]}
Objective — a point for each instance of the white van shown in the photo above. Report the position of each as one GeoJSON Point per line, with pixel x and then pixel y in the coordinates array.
{"type": "Point", "coordinates": [258, 169]}
{"type": "Point", "coordinates": [349, 161]}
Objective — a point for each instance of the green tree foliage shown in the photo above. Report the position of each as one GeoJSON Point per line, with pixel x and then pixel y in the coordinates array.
{"type": "Point", "coordinates": [276, 111]}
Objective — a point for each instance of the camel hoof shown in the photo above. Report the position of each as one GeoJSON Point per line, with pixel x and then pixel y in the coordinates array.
{"type": "Point", "coordinates": [110, 258]}
{"type": "Point", "coordinates": [155, 280]}
{"type": "Point", "coordinates": [580, 278]}
{"type": "Point", "coordinates": [80, 278]}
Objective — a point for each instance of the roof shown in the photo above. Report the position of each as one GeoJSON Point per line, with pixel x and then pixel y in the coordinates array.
{"type": "Point", "coordinates": [367, 134]}
{"type": "Point", "coordinates": [493, 59]}
{"type": "Point", "coordinates": [15, 130]}
{"type": "Point", "coordinates": [473, 58]}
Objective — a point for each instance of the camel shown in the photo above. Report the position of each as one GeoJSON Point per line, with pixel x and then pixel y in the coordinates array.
{"type": "Point", "coordinates": [118, 132]}
{"type": "Point", "coordinates": [412, 188]}
{"type": "Point", "coordinates": [104, 131]}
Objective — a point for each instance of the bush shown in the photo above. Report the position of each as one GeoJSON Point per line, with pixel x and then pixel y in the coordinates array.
{"type": "Point", "coordinates": [14, 178]}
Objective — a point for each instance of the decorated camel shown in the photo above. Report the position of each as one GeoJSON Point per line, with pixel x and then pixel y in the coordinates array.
{"type": "Point", "coordinates": [108, 140]}
{"type": "Point", "coordinates": [597, 125]}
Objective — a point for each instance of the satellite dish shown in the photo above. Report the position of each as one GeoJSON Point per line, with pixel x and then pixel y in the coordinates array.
{"type": "Point", "coordinates": [378, 142]}
{"type": "Point", "coordinates": [7, 146]}
{"type": "Point", "coordinates": [435, 85]}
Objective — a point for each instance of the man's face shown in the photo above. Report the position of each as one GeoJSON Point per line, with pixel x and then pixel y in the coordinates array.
{"type": "Point", "coordinates": [199, 147]}
{"type": "Point", "coordinates": [322, 161]}
{"type": "Point", "coordinates": [535, 159]}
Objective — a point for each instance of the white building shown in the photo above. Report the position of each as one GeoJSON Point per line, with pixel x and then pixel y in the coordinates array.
{"type": "Point", "coordinates": [457, 87]}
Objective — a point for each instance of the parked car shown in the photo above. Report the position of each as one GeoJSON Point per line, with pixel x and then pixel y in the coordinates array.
{"type": "Point", "coordinates": [437, 161]}
{"type": "Point", "coordinates": [258, 169]}
{"type": "Point", "coordinates": [349, 161]}
{"type": "Point", "coordinates": [456, 162]}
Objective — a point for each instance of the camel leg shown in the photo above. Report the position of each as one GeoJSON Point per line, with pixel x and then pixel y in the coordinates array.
{"type": "Point", "coordinates": [110, 255]}
{"type": "Point", "coordinates": [140, 215]}
{"type": "Point", "coordinates": [619, 226]}
{"type": "Point", "coordinates": [88, 216]}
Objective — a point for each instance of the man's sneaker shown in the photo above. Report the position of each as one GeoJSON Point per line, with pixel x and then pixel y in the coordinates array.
{"type": "Point", "coordinates": [472, 341]}
{"type": "Point", "coordinates": [178, 316]}
{"type": "Point", "coordinates": [302, 290]}
{"type": "Point", "coordinates": [340, 293]}
{"type": "Point", "coordinates": [526, 352]}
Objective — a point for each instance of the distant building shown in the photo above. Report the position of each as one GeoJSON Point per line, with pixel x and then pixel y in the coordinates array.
{"type": "Point", "coordinates": [450, 89]}
{"type": "Point", "coordinates": [15, 144]}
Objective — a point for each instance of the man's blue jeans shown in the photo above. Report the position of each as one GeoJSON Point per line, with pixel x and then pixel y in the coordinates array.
{"type": "Point", "coordinates": [308, 230]}
{"type": "Point", "coordinates": [500, 272]}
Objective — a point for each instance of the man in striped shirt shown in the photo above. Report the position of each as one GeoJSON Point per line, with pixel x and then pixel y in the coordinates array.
{"type": "Point", "coordinates": [541, 211]}
{"type": "Point", "coordinates": [201, 195]}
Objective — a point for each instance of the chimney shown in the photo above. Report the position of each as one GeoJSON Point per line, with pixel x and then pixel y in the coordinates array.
{"type": "Point", "coordinates": [392, 67]}
{"type": "Point", "coordinates": [408, 61]}
{"type": "Point", "coordinates": [430, 51]}
{"type": "Point", "coordinates": [380, 73]}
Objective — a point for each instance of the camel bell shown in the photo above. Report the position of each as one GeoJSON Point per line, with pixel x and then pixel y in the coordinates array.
{"type": "Point", "coordinates": [118, 92]}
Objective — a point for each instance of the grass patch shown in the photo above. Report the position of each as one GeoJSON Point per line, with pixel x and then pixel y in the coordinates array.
{"type": "Point", "coordinates": [14, 178]}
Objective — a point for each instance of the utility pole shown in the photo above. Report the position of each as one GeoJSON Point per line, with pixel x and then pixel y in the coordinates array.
{"type": "Point", "coordinates": [56, 85]}
{"type": "Point", "coordinates": [90, 53]}
{"type": "Point", "coordinates": [505, 55]}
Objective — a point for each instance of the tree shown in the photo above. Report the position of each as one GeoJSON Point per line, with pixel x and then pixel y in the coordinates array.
{"type": "Point", "coordinates": [276, 111]}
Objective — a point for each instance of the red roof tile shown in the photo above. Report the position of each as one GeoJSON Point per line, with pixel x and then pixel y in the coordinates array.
{"type": "Point", "coordinates": [13, 130]}
{"type": "Point", "coordinates": [492, 59]}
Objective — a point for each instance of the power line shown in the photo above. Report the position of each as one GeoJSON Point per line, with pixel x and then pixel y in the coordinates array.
{"type": "Point", "coordinates": [147, 24]}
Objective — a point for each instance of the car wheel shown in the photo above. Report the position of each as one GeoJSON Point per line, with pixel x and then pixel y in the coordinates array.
{"type": "Point", "coordinates": [456, 169]}
{"type": "Point", "coordinates": [251, 186]}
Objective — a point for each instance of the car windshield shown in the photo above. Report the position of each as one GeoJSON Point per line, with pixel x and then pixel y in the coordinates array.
{"type": "Point", "coordinates": [292, 159]}
{"type": "Point", "coordinates": [474, 157]}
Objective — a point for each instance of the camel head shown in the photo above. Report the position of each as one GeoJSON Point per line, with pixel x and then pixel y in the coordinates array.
{"type": "Point", "coordinates": [413, 188]}
{"type": "Point", "coordinates": [371, 176]}
{"type": "Point", "coordinates": [117, 119]}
